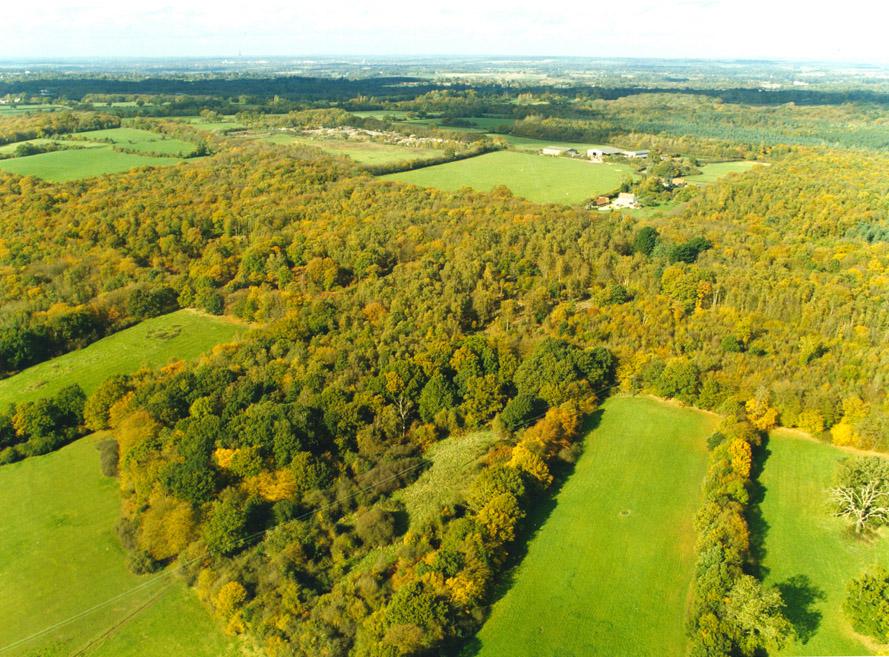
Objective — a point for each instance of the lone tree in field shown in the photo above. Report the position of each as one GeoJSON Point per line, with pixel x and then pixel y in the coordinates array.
{"type": "Point", "coordinates": [865, 506]}
{"type": "Point", "coordinates": [862, 493]}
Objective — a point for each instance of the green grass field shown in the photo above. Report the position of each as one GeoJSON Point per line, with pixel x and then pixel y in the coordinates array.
{"type": "Point", "coordinates": [716, 170]}
{"type": "Point", "coordinates": [535, 177]}
{"type": "Point", "coordinates": [454, 460]}
{"type": "Point", "coordinates": [182, 334]}
{"type": "Point", "coordinates": [365, 152]}
{"type": "Point", "coordinates": [60, 555]}
{"type": "Point", "coordinates": [808, 553]}
{"type": "Point", "coordinates": [140, 140]}
{"type": "Point", "coordinates": [227, 123]}
{"type": "Point", "coordinates": [60, 166]}
{"type": "Point", "coordinates": [609, 572]}
{"type": "Point", "coordinates": [534, 145]}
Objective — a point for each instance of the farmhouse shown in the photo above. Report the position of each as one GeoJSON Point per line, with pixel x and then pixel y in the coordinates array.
{"type": "Point", "coordinates": [557, 151]}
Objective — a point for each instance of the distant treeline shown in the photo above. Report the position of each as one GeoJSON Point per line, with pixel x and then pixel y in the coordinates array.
{"type": "Point", "coordinates": [392, 88]}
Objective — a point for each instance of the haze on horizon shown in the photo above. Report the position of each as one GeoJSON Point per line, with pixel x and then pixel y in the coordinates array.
{"type": "Point", "coordinates": [717, 29]}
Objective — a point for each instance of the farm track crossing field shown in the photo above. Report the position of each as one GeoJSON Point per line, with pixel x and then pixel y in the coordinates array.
{"type": "Point", "coordinates": [807, 553]}
{"type": "Point", "coordinates": [183, 334]}
{"type": "Point", "coordinates": [364, 152]}
{"type": "Point", "coordinates": [609, 572]}
{"type": "Point", "coordinates": [60, 555]}
{"type": "Point", "coordinates": [61, 166]}
{"type": "Point", "coordinates": [535, 177]}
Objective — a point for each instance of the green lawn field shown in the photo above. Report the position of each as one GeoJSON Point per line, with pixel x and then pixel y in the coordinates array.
{"type": "Point", "coordinates": [807, 552]}
{"type": "Point", "coordinates": [609, 572]}
{"type": "Point", "coordinates": [226, 123]}
{"type": "Point", "coordinates": [60, 166]}
{"type": "Point", "coordinates": [182, 334]}
{"type": "Point", "coordinates": [365, 152]}
{"type": "Point", "coordinates": [140, 140]}
{"type": "Point", "coordinates": [534, 145]}
{"type": "Point", "coordinates": [60, 556]}
{"type": "Point", "coordinates": [535, 177]}
{"type": "Point", "coordinates": [716, 170]}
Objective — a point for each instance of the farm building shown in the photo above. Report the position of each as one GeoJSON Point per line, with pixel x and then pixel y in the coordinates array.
{"type": "Point", "coordinates": [602, 201]}
{"type": "Point", "coordinates": [625, 200]}
{"type": "Point", "coordinates": [636, 155]}
{"type": "Point", "coordinates": [598, 153]}
{"type": "Point", "coordinates": [557, 151]}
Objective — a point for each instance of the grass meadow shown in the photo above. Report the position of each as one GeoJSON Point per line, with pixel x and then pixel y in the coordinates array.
{"type": "Point", "coordinates": [363, 152]}
{"type": "Point", "coordinates": [716, 170]}
{"type": "Point", "coordinates": [62, 166]}
{"type": "Point", "coordinates": [184, 334]}
{"type": "Point", "coordinates": [609, 572]}
{"type": "Point", "coordinates": [808, 553]}
{"type": "Point", "coordinates": [140, 140]}
{"type": "Point", "coordinates": [60, 556]}
{"type": "Point", "coordinates": [534, 177]}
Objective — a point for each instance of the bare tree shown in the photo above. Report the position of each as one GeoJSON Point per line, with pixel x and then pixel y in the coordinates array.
{"type": "Point", "coordinates": [864, 505]}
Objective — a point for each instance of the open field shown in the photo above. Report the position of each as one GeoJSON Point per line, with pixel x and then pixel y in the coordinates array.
{"type": "Point", "coordinates": [365, 152]}
{"type": "Point", "coordinates": [716, 170]}
{"type": "Point", "coordinates": [535, 177]}
{"type": "Point", "coordinates": [61, 166]}
{"type": "Point", "coordinates": [183, 334]}
{"type": "Point", "coordinates": [454, 460]}
{"type": "Point", "coordinates": [227, 123]}
{"type": "Point", "coordinates": [139, 140]}
{"type": "Point", "coordinates": [25, 108]}
{"type": "Point", "coordinates": [397, 115]}
{"type": "Point", "coordinates": [610, 570]}
{"type": "Point", "coordinates": [9, 149]}
{"type": "Point", "coordinates": [60, 555]}
{"type": "Point", "coordinates": [807, 552]}
{"type": "Point", "coordinates": [534, 145]}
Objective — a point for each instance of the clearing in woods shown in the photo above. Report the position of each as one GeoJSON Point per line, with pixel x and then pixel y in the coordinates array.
{"type": "Point", "coordinates": [534, 177]}
{"type": "Point", "coordinates": [184, 334]}
{"type": "Point", "coordinates": [609, 573]}
{"type": "Point", "coordinates": [60, 555]}
{"type": "Point", "coordinates": [806, 552]}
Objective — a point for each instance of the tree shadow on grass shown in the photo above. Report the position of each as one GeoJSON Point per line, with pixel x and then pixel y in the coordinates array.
{"type": "Point", "coordinates": [537, 514]}
{"type": "Point", "coordinates": [756, 522]}
{"type": "Point", "coordinates": [799, 597]}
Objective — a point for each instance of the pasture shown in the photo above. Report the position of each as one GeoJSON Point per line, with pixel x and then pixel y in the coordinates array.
{"type": "Point", "coordinates": [76, 164]}
{"type": "Point", "coordinates": [807, 553]}
{"type": "Point", "coordinates": [143, 141]}
{"type": "Point", "coordinates": [60, 556]}
{"type": "Point", "coordinates": [184, 334]}
{"type": "Point", "coordinates": [534, 177]}
{"type": "Point", "coordinates": [363, 152]}
{"type": "Point", "coordinates": [716, 170]}
{"type": "Point", "coordinates": [226, 123]}
{"type": "Point", "coordinates": [609, 572]}
{"type": "Point", "coordinates": [534, 145]}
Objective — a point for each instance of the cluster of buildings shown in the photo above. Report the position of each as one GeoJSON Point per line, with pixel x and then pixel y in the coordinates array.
{"type": "Point", "coordinates": [594, 154]}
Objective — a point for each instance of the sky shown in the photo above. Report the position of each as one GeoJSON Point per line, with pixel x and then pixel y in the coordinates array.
{"type": "Point", "coordinates": [851, 30]}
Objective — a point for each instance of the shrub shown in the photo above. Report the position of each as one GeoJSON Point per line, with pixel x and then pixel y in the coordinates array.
{"type": "Point", "coordinates": [867, 604]}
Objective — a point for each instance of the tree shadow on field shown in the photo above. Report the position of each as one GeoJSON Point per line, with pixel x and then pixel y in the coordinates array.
{"type": "Point", "coordinates": [799, 597]}
{"type": "Point", "coordinates": [538, 512]}
{"type": "Point", "coordinates": [759, 527]}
